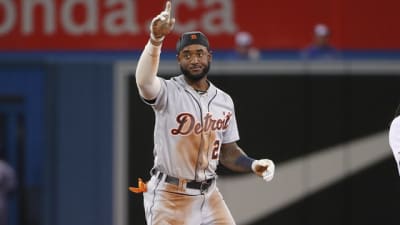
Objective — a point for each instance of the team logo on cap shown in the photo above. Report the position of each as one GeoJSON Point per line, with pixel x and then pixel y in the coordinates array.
{"type": "Point", "coordinates": [193, 37]}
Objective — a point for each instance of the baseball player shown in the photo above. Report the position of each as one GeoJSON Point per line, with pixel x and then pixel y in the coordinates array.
{"type": "Point", "coordinates": [394, 137]}
{"type": "Point", "coordinates": [195, 129]}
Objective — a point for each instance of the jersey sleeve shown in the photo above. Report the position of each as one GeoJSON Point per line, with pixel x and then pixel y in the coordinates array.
{"type": "Point", "coordinates": [394, 140]}
{"type": "Point", "coordinates": [160, 101]}
{"type": "Point", "coordinates": [231, 134]}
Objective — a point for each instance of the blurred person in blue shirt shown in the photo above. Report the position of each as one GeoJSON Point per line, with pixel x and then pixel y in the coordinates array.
{"type": "Point", "coordinates": [320, 48]}
{"type": "Point", "coordinates": [244, 49]}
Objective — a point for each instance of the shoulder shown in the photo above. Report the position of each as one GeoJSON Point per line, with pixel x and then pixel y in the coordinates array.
{"type": "Point", "coordinates": [221, 94]}
{"type": "Point", "coordinates": [176, 80]}
{"type": "Point", "coordinates": [173, 82]}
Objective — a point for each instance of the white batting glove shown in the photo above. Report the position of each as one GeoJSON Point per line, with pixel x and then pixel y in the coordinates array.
{"type": "Point", "coordinates": [264, 168]}
{"type": "Point", "coordinates": [162, 24]}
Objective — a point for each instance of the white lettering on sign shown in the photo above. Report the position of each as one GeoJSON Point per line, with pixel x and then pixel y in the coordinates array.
{"type": "Point", "coordinates": [9, 18]}
{"type": "Point", "coordinates": [113, 17]}
{"type": "Point", "coordinates": [189, 25]}
{"type": "Point", "coordinates": [224, 14]}
{"type": "Point", "coordinates": [48, 17]}
{"type": "Point", "coordinates": [213, 21]}
{"type": "Point", "coordinates": [128, 25]}
{"type": "Point", "coordinates": [89, 25]}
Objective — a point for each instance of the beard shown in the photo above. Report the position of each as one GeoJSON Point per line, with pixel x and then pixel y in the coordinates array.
{"type": "Point", "coordinates": [195, 77]}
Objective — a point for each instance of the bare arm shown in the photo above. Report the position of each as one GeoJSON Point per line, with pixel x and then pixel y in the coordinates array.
{"type": "Point", "coordinates": [234, 158]}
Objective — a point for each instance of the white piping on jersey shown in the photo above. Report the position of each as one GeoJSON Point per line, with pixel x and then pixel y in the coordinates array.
{"type": "Point", "coordinates": [201, 136]}
{"type": "Point", "coordinates": [208, 107]}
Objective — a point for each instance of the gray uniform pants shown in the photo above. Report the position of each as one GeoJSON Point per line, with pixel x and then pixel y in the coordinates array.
{"type": "Point", "coordinates": [170, 204]}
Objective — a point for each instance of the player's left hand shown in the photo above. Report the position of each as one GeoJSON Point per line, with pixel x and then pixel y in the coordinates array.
{"type": "Point", "coordinates": [264, 168]}
{"type": "Point", "coordinates": [162, 24]}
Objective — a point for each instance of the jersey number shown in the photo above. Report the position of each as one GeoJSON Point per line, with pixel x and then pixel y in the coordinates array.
{"type": "Point", "coordinates": [215, 151]}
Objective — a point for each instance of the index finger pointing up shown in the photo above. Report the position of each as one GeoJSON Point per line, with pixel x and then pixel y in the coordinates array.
{"type": "Point", "coordinates": [168, 7]}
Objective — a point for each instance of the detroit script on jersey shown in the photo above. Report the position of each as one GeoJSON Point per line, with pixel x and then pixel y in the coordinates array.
{"type": "Point", "coordinates": [187, 124]}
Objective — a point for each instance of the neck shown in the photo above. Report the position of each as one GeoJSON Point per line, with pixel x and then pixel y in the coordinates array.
{"type": "Point", "coordinates": [200, 85]}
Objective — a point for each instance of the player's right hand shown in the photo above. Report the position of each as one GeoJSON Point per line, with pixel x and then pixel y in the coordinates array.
{"type": "Point", "coordinates": [162, 24]}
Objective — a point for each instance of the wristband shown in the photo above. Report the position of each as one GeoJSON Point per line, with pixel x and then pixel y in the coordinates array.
{"type": "Point", "coordinates": [160, 39]}
{"type": "Point", "coordinates": [244, 162]}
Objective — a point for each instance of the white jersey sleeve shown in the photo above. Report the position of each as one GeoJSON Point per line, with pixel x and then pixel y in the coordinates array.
{"type": "Point", "coordinates": [231, 134]}
{"type": "Point", "coordinates": [146, 71]}
{"type": "Point", "coordinates": [161, 98]}
{"type": "Point", "coordinates": [394, 140]}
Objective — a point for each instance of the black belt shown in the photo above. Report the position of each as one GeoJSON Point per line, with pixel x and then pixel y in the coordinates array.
{"type": "Point", "coordinates": [200, 185]}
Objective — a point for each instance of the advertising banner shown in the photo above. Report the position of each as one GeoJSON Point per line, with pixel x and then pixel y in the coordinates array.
{"type": "Point", "coordinates": [123, 24]}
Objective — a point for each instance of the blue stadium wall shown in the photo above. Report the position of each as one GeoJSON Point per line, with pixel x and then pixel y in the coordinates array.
{"type": "Point", "coordinates": [68, 146]}
{"type": "Point", "coordinates": [80, 143]}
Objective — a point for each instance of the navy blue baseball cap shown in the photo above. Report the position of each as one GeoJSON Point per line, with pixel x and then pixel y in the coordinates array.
{"type": "Point", "coordinates": [192, 38]}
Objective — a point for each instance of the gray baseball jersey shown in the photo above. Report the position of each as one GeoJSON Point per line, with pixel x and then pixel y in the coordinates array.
{"type": "Point", "coordinates": [190, 128]}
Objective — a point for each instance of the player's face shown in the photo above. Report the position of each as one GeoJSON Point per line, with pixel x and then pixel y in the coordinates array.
{"type": "Point", "coordinates": [194, 61]}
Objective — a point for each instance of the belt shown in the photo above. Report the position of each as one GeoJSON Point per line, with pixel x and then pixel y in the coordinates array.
{"type": "Point", "coordinates": [199, 185]}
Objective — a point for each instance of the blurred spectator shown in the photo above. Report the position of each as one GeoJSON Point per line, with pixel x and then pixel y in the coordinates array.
{"type": "Point", "coordinates": [7, 185]}
{"type": "Point", "coordinates": [320, 48]}
{"type": "Point", "coordinates": [244, 49]}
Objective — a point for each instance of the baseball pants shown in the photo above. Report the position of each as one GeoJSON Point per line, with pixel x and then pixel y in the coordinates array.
{"type": "Point", "coordinates": [169, 203]}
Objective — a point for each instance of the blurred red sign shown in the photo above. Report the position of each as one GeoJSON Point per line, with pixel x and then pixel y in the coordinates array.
{"type": "Point", "coordinates": [123, 24]}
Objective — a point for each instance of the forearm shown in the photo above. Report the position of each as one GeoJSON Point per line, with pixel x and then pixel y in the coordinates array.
{"type": "Point", "coordinates": [146, 71]}
{"type": "Point", "coordinates": [235, 159]}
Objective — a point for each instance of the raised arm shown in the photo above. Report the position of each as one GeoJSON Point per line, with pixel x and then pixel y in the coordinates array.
{"type": "Point", "coordinates": [234, 158]}
{"type": "Point", "coordinates": [146, 71]}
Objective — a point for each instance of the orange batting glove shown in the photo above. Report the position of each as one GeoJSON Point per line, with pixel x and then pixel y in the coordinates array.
{"type": "Point", "coordinates": [141, 187]}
